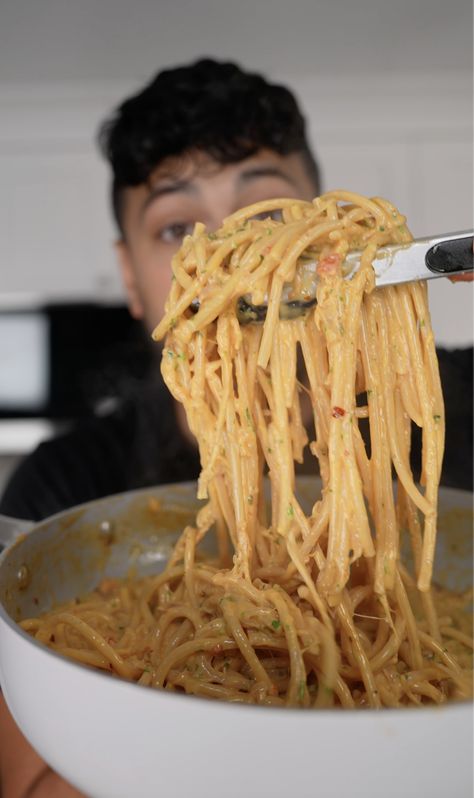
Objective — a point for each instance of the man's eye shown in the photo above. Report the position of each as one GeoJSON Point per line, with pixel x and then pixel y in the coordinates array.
{"type": "Point", "coordinates": [174, 233]}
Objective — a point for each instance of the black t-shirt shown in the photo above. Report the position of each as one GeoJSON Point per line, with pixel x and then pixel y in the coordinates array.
{"type": "Point", "coordinates": [140, 445]}
{"type": "Point", "coordinates": [137, 445]}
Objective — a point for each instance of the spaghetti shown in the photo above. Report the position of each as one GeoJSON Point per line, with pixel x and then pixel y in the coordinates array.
{"type": "Point", "coordinates": [307, 609]}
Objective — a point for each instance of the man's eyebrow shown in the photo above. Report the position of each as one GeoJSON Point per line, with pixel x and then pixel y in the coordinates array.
{"type": "Point", "coordinates": [161, 189]}
{"type": "Point", "coordinates": [255, 172]}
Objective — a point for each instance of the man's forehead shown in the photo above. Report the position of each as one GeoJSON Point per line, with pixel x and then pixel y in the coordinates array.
{"type": "Point", "coordinates": [195, 165]}
{"type": "Point", "coordinates": [189, 175]}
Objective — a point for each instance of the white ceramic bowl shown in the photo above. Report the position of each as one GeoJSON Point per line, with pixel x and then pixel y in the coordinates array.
{"type": "Point", "coordinates": [112, 739]}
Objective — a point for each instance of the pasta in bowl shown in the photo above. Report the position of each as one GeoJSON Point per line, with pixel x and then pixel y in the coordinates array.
{"type": "Point", "coordinates": [302, 607]}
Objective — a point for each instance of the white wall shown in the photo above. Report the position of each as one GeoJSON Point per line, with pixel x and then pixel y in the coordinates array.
{"type": "Point", "coordinates": [387, 88]}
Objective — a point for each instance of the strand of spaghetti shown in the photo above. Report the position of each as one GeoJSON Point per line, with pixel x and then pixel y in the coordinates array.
{"type": "Point", "coordinates": [297, 691]}
{"type": "Point", "coordinates": [380, 460]}
{"type": "Point", "coordinates": [401, 468]}
{"type": "Point", "coordinates": [99, 643]}
{"type": "Point", "coordinates": [405, 375]}
{"type": "Point", "coordinates": [409, 517]}
{"type": "Point", "coordinates": [186, 650]}
{"type": "Point", "coordinates": [219, 389]}
{"type": "Point", "coordinates": [365, 670]}
{"type": "Point", "coordinates": [420, 299]}
{"type": "Point", "coordinates": [312, 594]}
{"type": "Point", "coordinates": [242, 544]}
{"type": "Point", "coordinates": [429, 443]}
{"type": "Point", "coordinates": [391, 546]}
{"type": "Point", "coordinates": [189, 553]}
{"type": "Point", "coordinates": [259, 208]}
{"type": "Point", "coordinates": [319, 524]}
{"type": "Point", "coordinates": [235, 629]}
{"type": "Point", "coordinates": [247, 436]}
{"type": "Point", "coordinates": [167, 618]}
{"type": "Point", "coordinates": [280, 439]}
{"type": "Point", "coordinates": [416, 657]}
{"type": "Point", "coordinates": [369, 206]}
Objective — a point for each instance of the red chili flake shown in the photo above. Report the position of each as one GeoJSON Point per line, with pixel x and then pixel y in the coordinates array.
{"type": "Point", "coordinates": [328, 265]}
{"type": "Point", "coordinates": [338, 412]}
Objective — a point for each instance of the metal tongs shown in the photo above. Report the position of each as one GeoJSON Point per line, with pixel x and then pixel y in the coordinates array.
{"type": "Point", "coordinates": [421, 259]}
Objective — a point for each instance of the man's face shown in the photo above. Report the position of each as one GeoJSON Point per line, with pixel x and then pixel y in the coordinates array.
{"type": "Point", "coordinates": [182, 192]}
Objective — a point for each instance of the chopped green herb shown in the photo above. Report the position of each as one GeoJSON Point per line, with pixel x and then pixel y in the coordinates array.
{"type": "Point", "coordinates": [289, 511]}
{"type": "Point", "coordinates": [301, 691]}
{"type": "Point", "coordinates": [382, 229]}
{"type": "Point", "coordinates": [276, 624]}
{"type": "Point", "coordinates": [436, 418]}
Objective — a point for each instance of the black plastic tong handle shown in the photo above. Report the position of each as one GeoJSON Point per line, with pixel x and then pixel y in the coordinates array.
{"type": "Point", "coordinates": [455, 255]}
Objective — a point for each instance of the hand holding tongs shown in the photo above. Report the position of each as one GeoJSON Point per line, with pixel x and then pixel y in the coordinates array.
{"type": "Point", "coordinates": [422, 259]}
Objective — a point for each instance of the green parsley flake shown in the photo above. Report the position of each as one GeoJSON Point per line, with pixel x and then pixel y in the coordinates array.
{"type": "Point", "coordinates": [301, 691]}
{"type": "Point", "coordinates": [276, 624]}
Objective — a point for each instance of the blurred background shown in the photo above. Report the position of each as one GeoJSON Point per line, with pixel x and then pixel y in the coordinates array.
{"type": "Point", "coordinates": [387, 89]}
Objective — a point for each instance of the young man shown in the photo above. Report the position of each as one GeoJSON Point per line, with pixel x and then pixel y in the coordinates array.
{"type": "Point", "coordinates": [196, 144]}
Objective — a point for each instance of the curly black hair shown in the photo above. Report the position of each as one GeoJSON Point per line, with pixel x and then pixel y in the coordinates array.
{"type": "Point", "coordinates": [207, 106]}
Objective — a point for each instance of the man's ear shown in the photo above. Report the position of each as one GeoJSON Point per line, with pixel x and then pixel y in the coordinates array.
{"type": "Point", "coordinates": [124, 258]}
